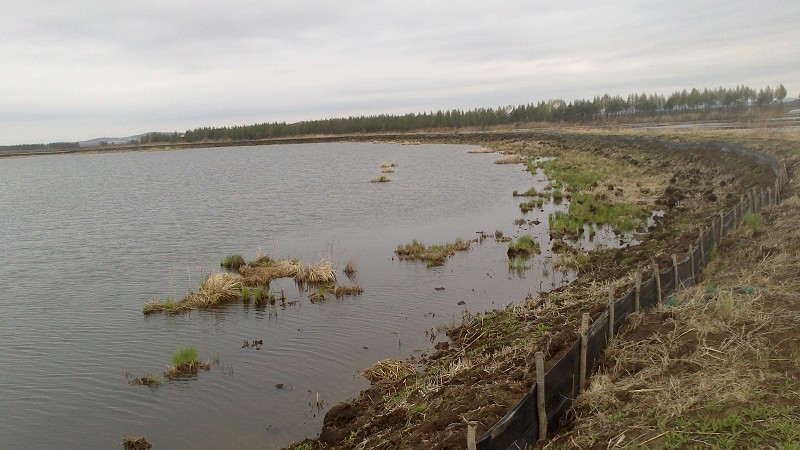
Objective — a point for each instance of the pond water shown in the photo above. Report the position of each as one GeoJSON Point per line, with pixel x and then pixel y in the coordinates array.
{"type": "Point", "coordinates": [87, 239]}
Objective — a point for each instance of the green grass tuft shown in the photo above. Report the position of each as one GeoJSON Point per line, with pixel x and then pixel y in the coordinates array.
{"type": "Point", "coordinates": [233, 261]}
{"type": "Point", "coordinates": [185, 355]}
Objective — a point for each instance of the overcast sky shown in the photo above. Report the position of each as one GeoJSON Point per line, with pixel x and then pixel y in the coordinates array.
{"type": "Point", "coordinates": [74, 70]}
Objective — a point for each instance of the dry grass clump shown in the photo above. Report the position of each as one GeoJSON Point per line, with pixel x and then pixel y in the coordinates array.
{"type": "Point", "coordinates": [267, 270]}
{"type": "Point", "coordinates": [380, 179]}
{"type": "Point", "coordinates": [350, 269]}
{"type": "Point", "coordinates": [388, 371]}
{"type": "Point", "coordinates": [135, 443]}
{"type": "Point", "coordinates": [386, 165]}
{"type": "Point", "coordinates": [387, 170]}
{"type": "Point", "coordinates": [353, 289]}
{"type": "Point", "coordinates": [218, 288]}
{"type": "Point", "coordinates": [514, 158]}
{"type": "Point", "coordinates": [482, 150]}
{"type": "Point", "coordinates": [434, 255]}
{"type": "Point", "coordinates": [322, 272]}
{"type": "Point", "coordinates": [186, 369]}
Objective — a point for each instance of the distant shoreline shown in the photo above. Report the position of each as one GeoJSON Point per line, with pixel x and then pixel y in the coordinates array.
{"type": "Point", "coordinates": [465, 136]}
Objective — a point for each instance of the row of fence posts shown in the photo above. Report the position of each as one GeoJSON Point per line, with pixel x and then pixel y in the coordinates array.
{"type": "Point", "coordinates": [754, 202]}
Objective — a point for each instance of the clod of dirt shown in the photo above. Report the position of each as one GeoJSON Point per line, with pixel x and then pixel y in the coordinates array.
{"type": "Point", "coordinates": [135, 443]}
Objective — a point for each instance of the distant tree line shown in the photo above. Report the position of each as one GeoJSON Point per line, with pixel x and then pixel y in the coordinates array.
{"type": "Point", "coordinates": [578, 111]}
{"type": "Point", "coordinates": [32, 147]}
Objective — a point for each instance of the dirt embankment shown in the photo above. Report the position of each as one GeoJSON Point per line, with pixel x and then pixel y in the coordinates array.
{"type": "Point", "coordinates": [489, 363]}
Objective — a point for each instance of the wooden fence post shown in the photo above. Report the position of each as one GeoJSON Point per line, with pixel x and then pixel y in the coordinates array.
{"type": "Point", "coordinates": [638, 289]}
{"type": "Point", "coordinates": [769, 196]}
{"type": "Point", "coordinates": [540, 396]}
{"type": "Point", "coordinates": [753, 199]}
{"type": "Point", "coordinates": [610, 311]}
{"type": "Point", "coordinates": [658, 280]}
{"type": "Point", "coordinates": [691, 262]}
{"type": "Point", "coordinates": [702, 247]}
{"type": "Point", "coordinates": [584, 348]}
{"type": "Point", "coordinates": [471, 426]}
{"type": "Point", "coordinates": [675, 272]}
{"type": "Point", "coordinates": [736, 215]}
{"type": "Point", "coordinates": [721, 224]}
{"type": "Point", "coordinates": [714, 234]}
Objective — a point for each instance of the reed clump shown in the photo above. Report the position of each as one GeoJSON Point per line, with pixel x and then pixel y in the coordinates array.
{"type": "Point", "coordinates": [233, 261]}
{"type": "Point", "coordinates": [380, 179]}
{"type": "Point", "coordinates": [386, 165]}
{"type": "Point", "coordinates": [388, 371]}
{"type": "Point", "coordinates": [434, 255]}
{"type": "Point", "coordinates": [350, 269]}
{"type": "Point", "coordinates": [264, 271]}
{"type": "Point", "coordinates": [185, 362]}
{"type": "Point", "coordinates": [218, 288]}
{"type": "Point", "coordinates": [135, 443]}
{"type": "Point", "coordinates": [353, 289]}
{"type": "Point", "coordinates": [524, 246]}
{"type": "Point", "coordinates": [319, 294]}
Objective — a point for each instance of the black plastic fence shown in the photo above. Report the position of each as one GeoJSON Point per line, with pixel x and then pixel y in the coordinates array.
{"type": "Point", "coordinates": [520, 426]}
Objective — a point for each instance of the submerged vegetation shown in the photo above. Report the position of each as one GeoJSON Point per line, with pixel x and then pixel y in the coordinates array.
{"type": "Point", "coordinates": [434, 255]}
{"type": "Point", "coordinates": [594, 210]}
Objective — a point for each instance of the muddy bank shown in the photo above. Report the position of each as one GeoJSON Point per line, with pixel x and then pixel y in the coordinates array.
{"type": "Point", "coordinates": [489, 363]}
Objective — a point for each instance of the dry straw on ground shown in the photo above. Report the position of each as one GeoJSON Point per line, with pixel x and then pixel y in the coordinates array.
{"type": "Point", "coordinates": [509, 159]}
{"type": "Point", "coordinates": [388, 370]}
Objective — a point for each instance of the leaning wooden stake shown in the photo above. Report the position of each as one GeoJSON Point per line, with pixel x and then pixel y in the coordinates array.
{"type": "Point", "coordinates": [721, 224]}
{"type": "Point", "coordinates": [610, 310]}
{"type": "Point", "coordinates": [658, 280]}
{"type": "Point", "coordinates": [540, 396]}
{"type": "Point", "coordinates": [691, 261]}
{"type": "Point", "coordinates": [584, 348]}
{"type": "Point", "coordinates": [675, 276]}
{"type": "Point", "coordinates": [638, 291]}
{"type": "Point", "coordinates": [471, 426]}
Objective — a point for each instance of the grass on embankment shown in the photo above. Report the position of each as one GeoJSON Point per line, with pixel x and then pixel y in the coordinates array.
{"type": "Point", "coordinates": [434, 255]}
{"type": "Point", "coordinates": [598, 191]}
{"type": "Point", "coordinates": [718, 369]}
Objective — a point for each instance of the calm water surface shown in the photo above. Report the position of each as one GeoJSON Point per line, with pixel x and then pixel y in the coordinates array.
{"type": "Point", "coordinates": [88, 239]}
